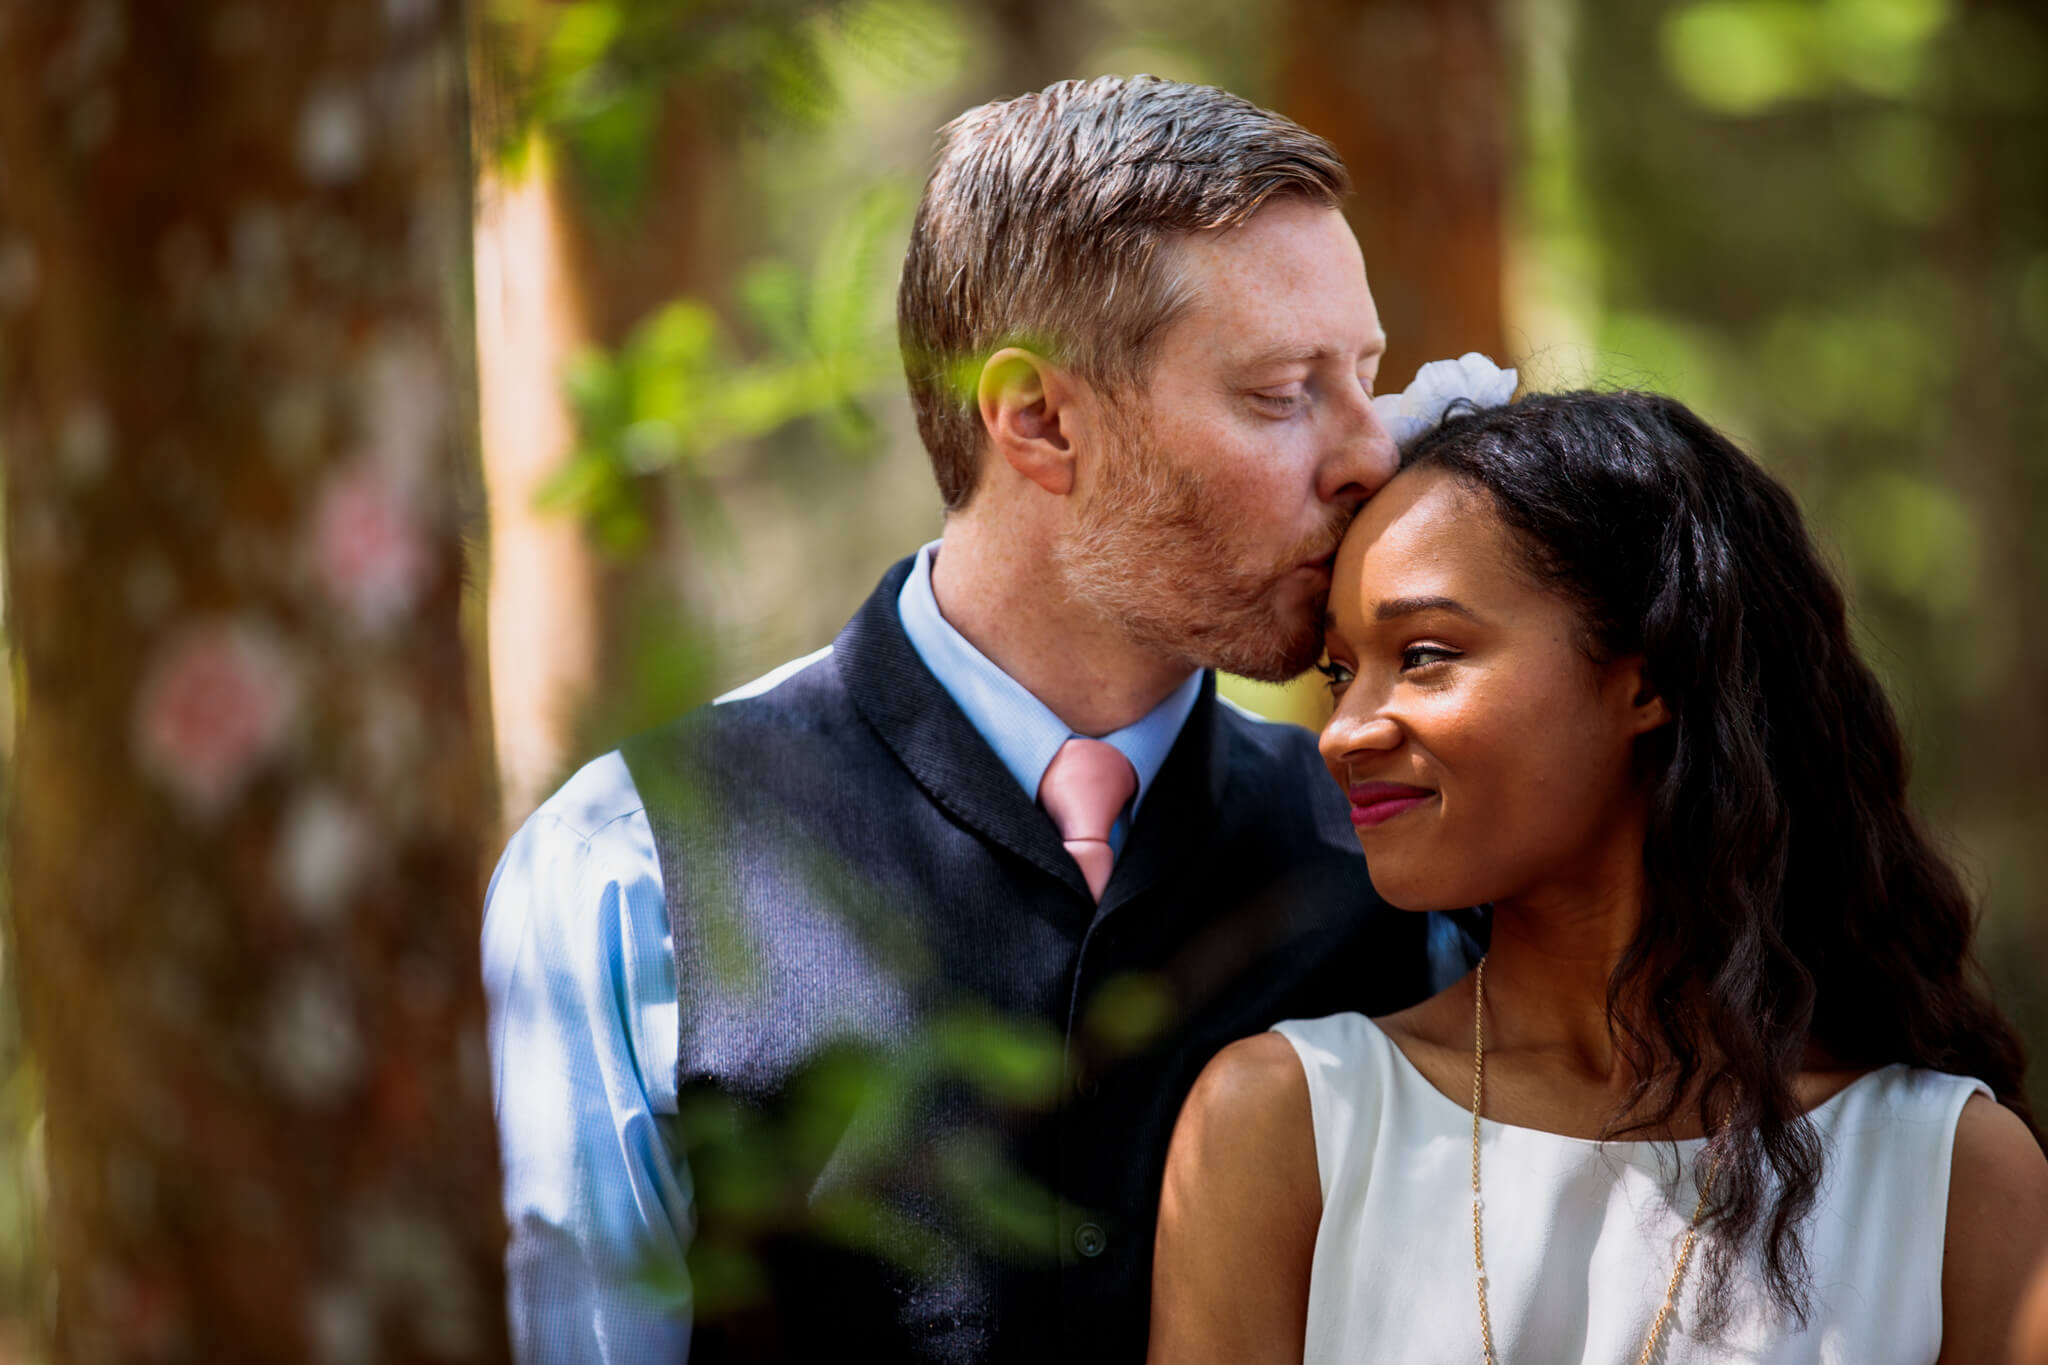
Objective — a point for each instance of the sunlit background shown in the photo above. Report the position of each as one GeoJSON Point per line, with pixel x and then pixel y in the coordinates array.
{"type": "Point", "coordinates": [1823, 224]}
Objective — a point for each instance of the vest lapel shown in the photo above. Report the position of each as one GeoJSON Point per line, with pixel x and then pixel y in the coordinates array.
{"type": "Point", "coordinates": [932, 737]}
{"type": "Point", "coordinates": [1180, 809]}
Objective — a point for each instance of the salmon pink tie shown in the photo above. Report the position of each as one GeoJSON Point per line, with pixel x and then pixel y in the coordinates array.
{"type": "Point", "coordinates": [1084, 790]}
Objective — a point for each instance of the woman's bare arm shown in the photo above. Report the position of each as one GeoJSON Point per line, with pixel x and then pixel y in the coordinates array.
{"type": "Point", "coordinates": [1238, 1213]}
{"type": "Point", "coordinates": [2030, 1336]}
{"type": "Point", "coordinates": [1997, 1231]}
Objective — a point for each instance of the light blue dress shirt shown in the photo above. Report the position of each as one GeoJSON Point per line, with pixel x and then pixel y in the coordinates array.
{"type": "Point", "coordinates": [1021, 729]}
{"type": "Point", "coordinates": [577, 965]}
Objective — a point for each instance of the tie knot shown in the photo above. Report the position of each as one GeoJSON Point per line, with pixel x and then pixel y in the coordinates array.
{"type": "Point", "coordinates": [1085, 787]}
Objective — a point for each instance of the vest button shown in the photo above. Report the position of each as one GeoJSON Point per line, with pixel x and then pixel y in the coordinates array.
{"type": "Point", "coordinates": [1090, 1240]}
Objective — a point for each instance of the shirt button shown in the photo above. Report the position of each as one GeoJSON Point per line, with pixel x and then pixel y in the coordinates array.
{"type": "Point", "coordinates": [1090, 1240]}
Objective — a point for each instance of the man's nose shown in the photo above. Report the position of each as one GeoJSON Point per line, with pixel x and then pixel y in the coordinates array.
{"type": "Point", "coordinates": [1363, 460]}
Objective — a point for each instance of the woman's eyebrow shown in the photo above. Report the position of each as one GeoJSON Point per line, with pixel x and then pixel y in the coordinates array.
{"type": "Point", "coordinates": [1393, 608]}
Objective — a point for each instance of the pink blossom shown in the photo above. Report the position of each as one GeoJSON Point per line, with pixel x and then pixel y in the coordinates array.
{"type": "Point", "coordinates": [367, 547]}
{"type": "Point", "coordinates": [216, 703]}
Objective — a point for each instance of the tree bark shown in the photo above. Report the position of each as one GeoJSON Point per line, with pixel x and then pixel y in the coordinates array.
{"type": "Point", "coordinates": [237, 395]}
{"type": "Point", "coordinates": [1412, 93]}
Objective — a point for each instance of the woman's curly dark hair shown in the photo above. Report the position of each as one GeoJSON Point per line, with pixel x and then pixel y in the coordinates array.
{"type": "Point", "coordinates": [1792, 895]}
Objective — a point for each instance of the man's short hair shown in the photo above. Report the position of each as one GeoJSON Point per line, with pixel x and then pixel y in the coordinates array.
{"type": "Point", "coordinates": [1041, 224]}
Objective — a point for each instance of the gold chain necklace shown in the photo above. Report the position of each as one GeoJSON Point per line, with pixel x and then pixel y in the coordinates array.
{"type": "Point", "coordinates": [1478, 1248]}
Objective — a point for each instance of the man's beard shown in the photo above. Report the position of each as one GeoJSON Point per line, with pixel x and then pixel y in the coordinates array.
{"type": "Point", "coordinates": [1152, 553]}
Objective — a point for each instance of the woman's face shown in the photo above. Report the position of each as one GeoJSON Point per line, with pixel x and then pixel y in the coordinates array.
{"type": "Point", "coordinates": [1486, 755]}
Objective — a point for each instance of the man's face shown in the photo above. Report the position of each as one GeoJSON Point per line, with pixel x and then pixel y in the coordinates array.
{"type": "Point", "coordinates": [1211, 511]}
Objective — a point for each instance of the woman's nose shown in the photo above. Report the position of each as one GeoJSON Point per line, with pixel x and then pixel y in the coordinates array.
{"type": "Point", "coordinates": [1345, 737]}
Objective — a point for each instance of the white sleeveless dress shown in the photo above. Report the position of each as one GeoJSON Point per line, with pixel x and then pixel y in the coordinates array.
{"type": "Point", "coordinates": [1581, 1237]}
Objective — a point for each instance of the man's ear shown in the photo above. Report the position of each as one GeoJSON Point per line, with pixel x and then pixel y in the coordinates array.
{"type": "Point", "coordinates": [1646, 707]}
{"type": "Point", "coordinates": [1026, 409]}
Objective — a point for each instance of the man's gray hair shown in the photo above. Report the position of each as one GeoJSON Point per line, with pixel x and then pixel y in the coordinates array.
{"type": "Point", "coordinates": [1041, 225]}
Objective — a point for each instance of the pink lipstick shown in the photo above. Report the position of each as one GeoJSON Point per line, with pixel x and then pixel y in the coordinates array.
{"type": "Point", "coordinates": [1375, 803]}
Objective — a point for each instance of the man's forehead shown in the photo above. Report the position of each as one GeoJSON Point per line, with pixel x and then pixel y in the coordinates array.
{"type": "Point", "coordinates": [1294, 292]}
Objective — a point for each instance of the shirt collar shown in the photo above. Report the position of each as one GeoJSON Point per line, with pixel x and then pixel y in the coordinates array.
{"type": "Point", "coordinates": [1023, 730]}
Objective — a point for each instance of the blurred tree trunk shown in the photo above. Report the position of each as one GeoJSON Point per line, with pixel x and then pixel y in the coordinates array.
{"type": "Point", "coordinates": [543, 604]}
{"type": "Point", "coordinates": [249, 783]}
{"type": "Point", "coordinates": [678, 239]}
{"type": "Point", "coordinates": [1413, 95]}
{"type": "Point", "coordinates": [554, 276]}
{"type": "Point", "coordinates": [1037, 42]}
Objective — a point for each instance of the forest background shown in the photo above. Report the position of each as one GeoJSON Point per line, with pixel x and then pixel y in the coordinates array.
{"type": "Point", "coordinates": [670, 450]}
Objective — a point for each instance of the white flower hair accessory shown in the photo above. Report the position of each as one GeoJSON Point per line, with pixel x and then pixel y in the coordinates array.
{"type": "Point", "coordinates": [1471, 380]}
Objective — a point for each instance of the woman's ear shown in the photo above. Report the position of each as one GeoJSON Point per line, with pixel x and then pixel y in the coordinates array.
{"type": "Point", "coordinates": [1025, 407]}
{"type": "Point", "coordinates": [1646, 708]}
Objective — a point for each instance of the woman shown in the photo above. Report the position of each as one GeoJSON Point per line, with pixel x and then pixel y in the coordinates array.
{"type": "Point", "coordinates": [1742, 1098]}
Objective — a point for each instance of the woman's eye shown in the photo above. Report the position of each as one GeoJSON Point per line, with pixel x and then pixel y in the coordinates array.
{"type": "Point", "coordinates": [1281, 403]}
{"type": "Point", "coordinates": [1421, 656]}
{"type": "Point", "coordinates": [1335, 675]}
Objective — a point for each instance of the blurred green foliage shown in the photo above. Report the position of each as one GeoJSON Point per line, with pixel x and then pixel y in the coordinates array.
{"type": "Point", "coordinates": [596, 75]}
{"type": "Point", "coordinates": [679, 396]}
{"type": "Point", "coordinates": [1823, 223]}
{"type": "Point", "coordinates": [813, 1165]}
{"type": "Point", "coordinates": [1744, 56]}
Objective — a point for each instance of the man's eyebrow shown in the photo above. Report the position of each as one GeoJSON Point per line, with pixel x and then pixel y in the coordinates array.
{"type": "Point", "coordinates": [1298, 354]}
{"type": "Point", "coordinates": [1393, 608]}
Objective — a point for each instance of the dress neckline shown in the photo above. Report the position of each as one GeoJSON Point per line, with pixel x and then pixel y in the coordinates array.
{"type": "Point", "coordinates": [1415, 1075]}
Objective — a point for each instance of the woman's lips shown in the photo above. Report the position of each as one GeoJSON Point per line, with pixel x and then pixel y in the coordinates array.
{"type": "Point", "coordinates": [1375, 803]}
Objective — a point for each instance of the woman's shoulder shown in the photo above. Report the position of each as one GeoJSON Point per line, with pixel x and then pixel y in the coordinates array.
{"type": "Point", "coordinates": [1246, 1125]}
{"type": "Point", "coordinates": [1997, 1226]}
{"type": "Point", "coordinates": [1251, 1080]}
{"type": "Point", "coordinates": [1238, 1208]}
{"type": "Point", "coordinates": [1998, 1159]}
{"type": "Point", "coordinates": [1294, 1072]}
{"type": "Point", "coordinates": [1345, 1058]}
{"type": "Point", "coordinates": [1993, 1137]}
{"type": "Point", "coordinates": [1361, 1091]}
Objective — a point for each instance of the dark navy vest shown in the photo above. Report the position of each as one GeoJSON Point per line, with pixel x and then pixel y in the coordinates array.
{"type": "Point", "coordinates": [926, 1084]}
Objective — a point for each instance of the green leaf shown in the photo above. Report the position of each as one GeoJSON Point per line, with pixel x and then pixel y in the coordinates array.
{"type": "Point", "coordinates": [1005, 1207]}
{"type": "Point", "coordinates": [772, 292]}
{"type": "Point", "coordinates": [852, 270]}
{"type": "Point", "coordinates": [723, 1280]}
{"type": "Point", "coordinates": [1129, 1011]}
{"type": "Point", "coordinates": [1915, 538]}
{"type": "Point", "coordinates": [581, 38]}
{"type": "Point", "coordinates": [1011, 1059]}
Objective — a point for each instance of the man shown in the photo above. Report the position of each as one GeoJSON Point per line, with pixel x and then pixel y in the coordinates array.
{"type": "Point", "coordinates": [876, 986]}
